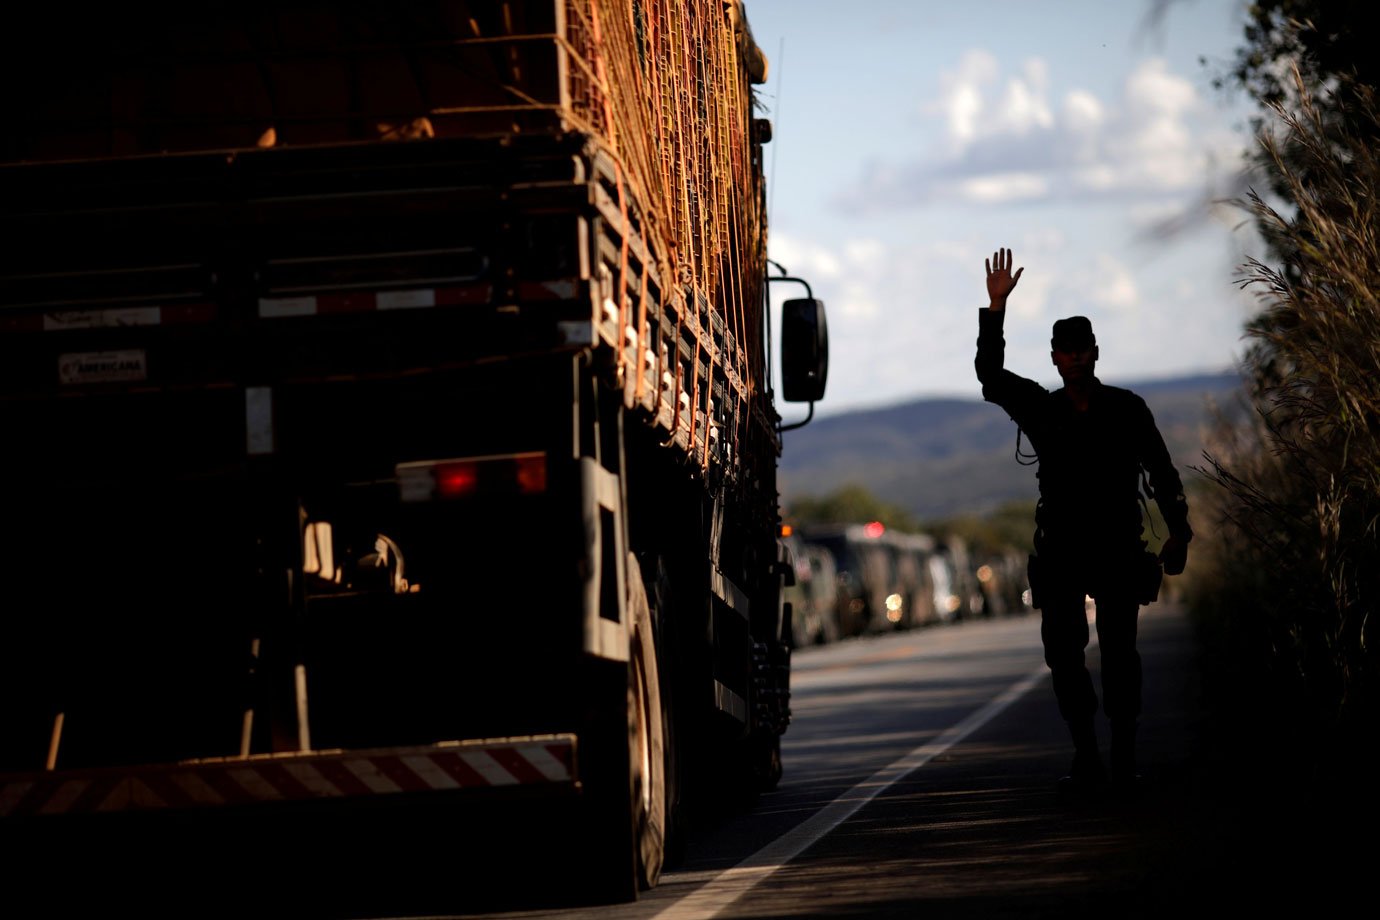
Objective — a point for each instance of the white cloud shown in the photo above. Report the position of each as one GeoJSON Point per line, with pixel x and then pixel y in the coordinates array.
{"type": "Point", "coordinates": [1100, 286]}
{"type": "Point", "coordinates": [1082, 112]}
{"type": "Point", "coordinates": [804, 259]}
{"type": "Point", "coordinates": [868, 254]}
{"type": "Point", "coordinates": [858, 306]}
{"type": "Point", "coordinates": [1043, 240]}
{"type": "Point", "coordinates": [902, 315]}
{"type": "Point", "coordinates": [960, 100]}
{"type": "Point", "coordinates": [1155, 144]}
{"type": "Point", "coordinates": [1032, 300]}
{"type": "Point", "coordinates": [1117, 288]}
{"type": "Point", "coordinates": [1083, 118]}
{"type": "Point", "coordinates": [1005, 187]}
{"type": "Point", "coordinates": [1005, 141]}
{"type": "Point", "coordinates": [1023, 107]}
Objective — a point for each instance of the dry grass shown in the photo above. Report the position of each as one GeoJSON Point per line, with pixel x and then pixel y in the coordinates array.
{"type": "Point", "coordinates": [1294, 574]}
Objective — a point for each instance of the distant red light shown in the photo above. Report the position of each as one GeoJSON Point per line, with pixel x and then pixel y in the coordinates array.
{"type": "Point", "coordinates": [874, 529]}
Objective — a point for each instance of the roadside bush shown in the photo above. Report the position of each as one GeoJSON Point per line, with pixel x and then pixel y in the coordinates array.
{"type": "Point", "coordinates": [1295, 567]}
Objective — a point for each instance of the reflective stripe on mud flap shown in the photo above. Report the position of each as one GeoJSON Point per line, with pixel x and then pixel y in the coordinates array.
{"type": "Point", "coordinates": [537, 760]}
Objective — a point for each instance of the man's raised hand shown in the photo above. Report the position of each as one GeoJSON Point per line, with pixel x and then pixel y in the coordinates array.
{"type": "Point", "coordinates": [1000, 281]}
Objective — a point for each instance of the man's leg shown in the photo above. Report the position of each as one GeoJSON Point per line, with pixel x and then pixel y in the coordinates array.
{"type": "Point", "coordinates": [1064, 631]}
{"type": "Point", "coordinates": [1121, 680]}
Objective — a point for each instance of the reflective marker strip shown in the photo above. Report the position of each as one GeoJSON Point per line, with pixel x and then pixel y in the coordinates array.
{"type": "Point", "coordinates": [430, 772]}
{"type": "Point", "coordinates": [517, 766]}
{"type": "Point", "coordinates": [286, 306]}
{"type": "Point", "coordinates": [63, 797]}
{"type": "Point", "coordinates": [195, 788]}
{"type": "Point", "coordinates": [312, 781]}
{"type": "Point", "coordinates": [732, 595]}
{"type": "Point", "coordinates": [529, 761]}
{"type": "Point", "coordinates": [372, 301]}
{"type": "Point", "coordinates": [405, 300]}
{"type": "Point", "coordinates": [340, 778]}
{"type": "Point", "coordinates": [725, 700]}
{"type": "Point", "coordinates": [485, 765]}
{"type": "Point", "coordinates": [458, 770]}
{"type": "Point", "coordinates": [252, 781]}
{"type": "Point", "coordinates": [548, 290]}
{"type": "Point", "coordinates": [368, 773]}
{"type": "Point", "coordinates": [11, 794]}
{"type": "Point", "coordinates": [258, 421]}
{"type": "Point", "coordinates": [548, 762]}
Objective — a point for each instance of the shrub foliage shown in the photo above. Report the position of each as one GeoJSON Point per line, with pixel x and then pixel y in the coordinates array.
{"type": "Point", "coordinates": [1296, 569]}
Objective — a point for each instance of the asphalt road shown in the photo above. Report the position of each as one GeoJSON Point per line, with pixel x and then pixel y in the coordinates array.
{"type": "Point", "coordinates": [920, 782]}
{"type": "Point", "coordinates": [939, 752]}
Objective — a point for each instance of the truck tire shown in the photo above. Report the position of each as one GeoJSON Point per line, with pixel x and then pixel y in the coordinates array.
{"type": "Point", "coordinates": [767, 762]}
{"type": "Point", "coordinates": [647, 736]}
{"type": "Point", "coordinates": [625, 783]}
{"type": "Point", "coordinates": [666, 647]}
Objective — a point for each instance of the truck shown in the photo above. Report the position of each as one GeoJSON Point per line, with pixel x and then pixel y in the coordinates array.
{"type": "Point", "coordinates": [389, 400]}
{"type": "Point", "coordinates": [869, 598]}
{"type": "Point", "coordinates": [812, 596]}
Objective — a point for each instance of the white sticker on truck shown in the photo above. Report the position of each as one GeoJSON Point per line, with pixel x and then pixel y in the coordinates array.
{"type": "Point", "coordinates": [126, 366]}
{"type": "Point", "coordinates": [102, 319]}
{"type": "Point", "coordinates": [405, 300]}
{"type": "Point", "coordinates": [273, 307]}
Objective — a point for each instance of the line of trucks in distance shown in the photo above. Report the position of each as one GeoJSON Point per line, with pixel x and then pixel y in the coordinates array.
{"type": "Point", "coordinates": [865, 579]}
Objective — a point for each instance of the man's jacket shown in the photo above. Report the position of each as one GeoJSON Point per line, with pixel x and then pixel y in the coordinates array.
{"type": "Point", "coordinates": [1090, 462]}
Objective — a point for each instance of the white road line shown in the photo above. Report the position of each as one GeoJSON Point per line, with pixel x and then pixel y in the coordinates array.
{"type": "Point", "coordinates": [731, 884]}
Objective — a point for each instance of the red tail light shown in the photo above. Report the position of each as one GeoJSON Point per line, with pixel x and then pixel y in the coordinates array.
{"type": "Point", "coordinates": [530, 473]}
{"type": "Point", "coordinates": [506, 474]}
{"type": "Point", "coordinates": [456, 479]}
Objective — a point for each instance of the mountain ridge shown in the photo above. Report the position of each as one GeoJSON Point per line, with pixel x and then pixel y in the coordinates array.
{"type": "Point", "coordinates": [942, 456]}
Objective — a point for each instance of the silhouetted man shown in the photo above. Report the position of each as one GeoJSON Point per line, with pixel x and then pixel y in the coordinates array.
{"type": "Point", "coordinates": [1094, 443]}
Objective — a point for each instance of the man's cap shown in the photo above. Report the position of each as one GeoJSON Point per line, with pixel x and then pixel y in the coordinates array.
{"type": "Point", "coordinates": [1072, 333]}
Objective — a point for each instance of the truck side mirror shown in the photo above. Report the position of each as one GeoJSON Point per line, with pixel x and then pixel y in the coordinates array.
{"type": "Point", "coordinates": [804, 350]}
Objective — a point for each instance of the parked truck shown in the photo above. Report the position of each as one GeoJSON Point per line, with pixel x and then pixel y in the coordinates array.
{"type": "Point", "coordinates": [388, 411]}
{"type": "Point", "coordinates": [869, 600]}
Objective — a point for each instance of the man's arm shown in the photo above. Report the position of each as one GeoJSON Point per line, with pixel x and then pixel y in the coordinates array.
{"type": "Point", "coordinates": [1010, 391]}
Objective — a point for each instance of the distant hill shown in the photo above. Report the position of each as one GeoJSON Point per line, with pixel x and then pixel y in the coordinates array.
{"type": "Point", "coordinates": [940, 457]}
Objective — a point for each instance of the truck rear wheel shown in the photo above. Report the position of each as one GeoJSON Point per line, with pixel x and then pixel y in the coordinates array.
{"type": "Point", "coordinates": [647, 738]}
{"type": "Point", "coordinates": [625, 773]}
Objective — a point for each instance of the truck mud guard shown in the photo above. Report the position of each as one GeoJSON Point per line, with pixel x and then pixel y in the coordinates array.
{"type": "Point", "coordinates": [548, 761]}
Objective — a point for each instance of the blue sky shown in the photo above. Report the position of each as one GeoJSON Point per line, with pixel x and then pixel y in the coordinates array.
{"type": "Point", "coordinates": [911, 139]}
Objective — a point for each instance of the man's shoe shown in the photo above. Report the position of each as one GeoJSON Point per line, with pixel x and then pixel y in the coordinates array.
{"type": "Point", "coordinates": [1125, 780]}
{"type": "Point", "coordinates": [1127, 784]}
{"type": "Point", "coordinates": [1086, 777]}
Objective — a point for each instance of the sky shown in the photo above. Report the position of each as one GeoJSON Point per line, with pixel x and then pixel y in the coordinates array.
{"type": "Point", "coordinates": [912, 139]}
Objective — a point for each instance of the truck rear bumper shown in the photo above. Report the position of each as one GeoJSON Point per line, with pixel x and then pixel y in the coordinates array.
{"type": "Point", "coordinates": [534, 762]}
